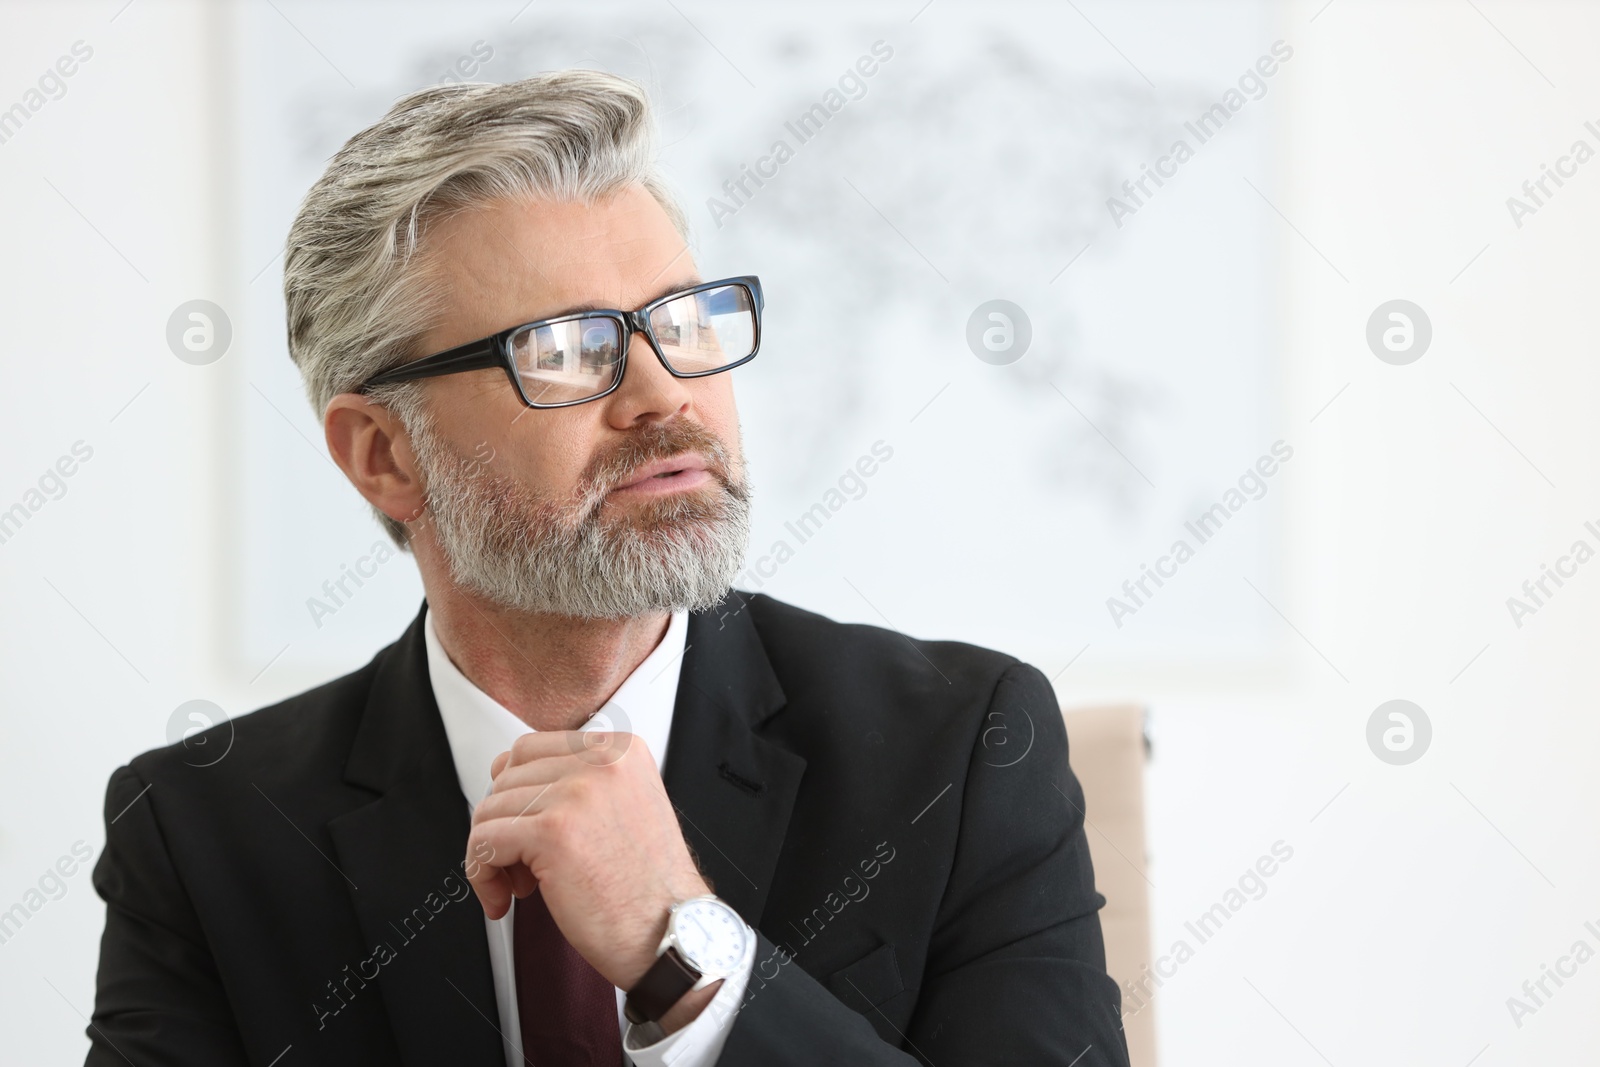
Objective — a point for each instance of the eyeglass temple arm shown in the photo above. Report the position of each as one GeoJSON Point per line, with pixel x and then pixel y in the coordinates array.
{"type": "Point", "coordinates": [474, 356]}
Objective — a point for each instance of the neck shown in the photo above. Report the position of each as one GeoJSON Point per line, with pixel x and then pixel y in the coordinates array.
{"type": "Point", "coordinates": [551, 671]}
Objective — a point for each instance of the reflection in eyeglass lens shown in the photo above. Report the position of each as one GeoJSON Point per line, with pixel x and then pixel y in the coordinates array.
{"type": "Point", "coordinates": [705, 330]}
{"type": "Point", "coordinates": [566, 361]}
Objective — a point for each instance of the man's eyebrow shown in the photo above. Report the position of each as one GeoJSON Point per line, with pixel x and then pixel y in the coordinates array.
{"type": "Point", "coordinates": [678, 286]}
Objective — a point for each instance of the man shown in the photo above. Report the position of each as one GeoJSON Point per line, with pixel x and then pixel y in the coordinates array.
{"type": "Point", "coordinates": [592, 804]}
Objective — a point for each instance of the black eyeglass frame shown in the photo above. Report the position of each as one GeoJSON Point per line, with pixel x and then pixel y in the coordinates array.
{"type": "Point", "coordinates": [495, 350]}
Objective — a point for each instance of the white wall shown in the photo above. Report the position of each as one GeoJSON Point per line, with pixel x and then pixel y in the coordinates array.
{"type": "Point", "coordinates": [1415, 903]}
{"type": "Point", "coordinates": [107, 621]}
{"type": "Point", "coordinates": [1422, 897]}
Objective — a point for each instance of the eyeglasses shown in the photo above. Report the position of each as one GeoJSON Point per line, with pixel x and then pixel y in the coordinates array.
{"type": "Point", "coordinates": [572, 359]}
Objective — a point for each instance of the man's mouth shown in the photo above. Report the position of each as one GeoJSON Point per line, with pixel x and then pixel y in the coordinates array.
{"type": "Point", "coordinates": [663, 476]}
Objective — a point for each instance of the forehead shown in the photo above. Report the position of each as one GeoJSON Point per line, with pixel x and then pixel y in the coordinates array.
{"type": "Point", "coordinates": [505, 262]}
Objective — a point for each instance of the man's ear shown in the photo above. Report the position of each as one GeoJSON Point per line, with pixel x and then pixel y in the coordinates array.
{"type": "Point", "coordinates": [369, 443]}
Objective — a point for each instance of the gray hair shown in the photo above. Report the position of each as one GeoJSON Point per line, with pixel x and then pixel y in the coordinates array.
{"type": "Point", "coordinates": [357, 295]}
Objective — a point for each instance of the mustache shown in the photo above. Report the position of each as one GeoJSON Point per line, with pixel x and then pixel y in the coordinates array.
{"type": "Point", "coordinates": [650, 442]}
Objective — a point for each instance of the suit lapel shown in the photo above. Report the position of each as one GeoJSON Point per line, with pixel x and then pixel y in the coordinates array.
{"type": "Point", "coordinates": [424, 928]}
{"type": "Point", "coordinates": [733, 788]}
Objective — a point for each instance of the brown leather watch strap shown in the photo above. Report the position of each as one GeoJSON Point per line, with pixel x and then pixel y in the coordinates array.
{"type": "Point", "coordinates": [662, 986]}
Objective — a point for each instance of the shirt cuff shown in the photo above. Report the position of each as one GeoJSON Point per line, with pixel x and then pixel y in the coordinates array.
{"type": "Point", "coordinates": [698, 1044]}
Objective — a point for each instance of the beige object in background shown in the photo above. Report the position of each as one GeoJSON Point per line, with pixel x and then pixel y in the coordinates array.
{"type": "Point", "coordinates": [1106, 747]}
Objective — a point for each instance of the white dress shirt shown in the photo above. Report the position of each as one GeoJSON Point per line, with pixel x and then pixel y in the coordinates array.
{"type": "Point", "coordinates": [479, 729]}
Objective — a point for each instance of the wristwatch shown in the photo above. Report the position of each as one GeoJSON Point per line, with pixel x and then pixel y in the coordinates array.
{"type": "Point", "coordinates": [705, 941]}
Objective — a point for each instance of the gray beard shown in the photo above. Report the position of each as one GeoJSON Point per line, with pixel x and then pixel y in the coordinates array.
{"type": "Point", "coordinates": [528, 553]}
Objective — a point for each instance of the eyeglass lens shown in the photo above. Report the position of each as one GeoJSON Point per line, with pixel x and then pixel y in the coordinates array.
{"type": "Point", "coordinates": [578, 358]}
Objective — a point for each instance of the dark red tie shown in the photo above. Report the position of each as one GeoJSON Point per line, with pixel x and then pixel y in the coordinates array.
{"type": "Point", "coordinates": [568, 1009]}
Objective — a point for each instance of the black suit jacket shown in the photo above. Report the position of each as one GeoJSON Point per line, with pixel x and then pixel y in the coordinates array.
{"type": "Point", "coordinates": [896, 818]}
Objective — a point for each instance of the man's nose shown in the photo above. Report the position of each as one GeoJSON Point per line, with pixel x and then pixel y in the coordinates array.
{"type": "Point", "coordinates": [648, 391]}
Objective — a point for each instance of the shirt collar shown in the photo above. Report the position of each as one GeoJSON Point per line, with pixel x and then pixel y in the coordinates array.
{"type": "Point", "coordinates": [479, 728]}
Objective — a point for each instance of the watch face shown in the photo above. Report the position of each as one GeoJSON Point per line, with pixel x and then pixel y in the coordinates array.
{"type": "Point", "coordinates": [710, 936]}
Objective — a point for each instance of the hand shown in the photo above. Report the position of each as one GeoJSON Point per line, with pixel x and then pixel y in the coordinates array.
{"type": "Point", "coordinates": [583, 817]}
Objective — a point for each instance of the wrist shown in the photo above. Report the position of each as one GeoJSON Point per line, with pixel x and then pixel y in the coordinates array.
{"type": "Point", "coordinates": [704, 942]}
{"type": "Point", "coordinates": [644, 956]}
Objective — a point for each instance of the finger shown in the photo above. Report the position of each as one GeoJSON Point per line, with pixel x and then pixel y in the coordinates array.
{"type": "Point", "coordinates": [601, 748]}
{"type": "Point", "coordinates": [522, 881]}
{"type": "Point", "coordinates": [494, 888]}
{"type": "Point", "coordinates": [539, 773]}
{"type": "Point", "coordinates": [515, 841]}
{"type": "Point", "coordinates": [589, 748]}
{"type": "Point", "coordinates": [542, 743]}
{"type": "Point", "coordinates": [598, 748]}
{"type": "Point", "coordinates": [514, 803]}
{"type": "Point", "coordinates": [512, 846]}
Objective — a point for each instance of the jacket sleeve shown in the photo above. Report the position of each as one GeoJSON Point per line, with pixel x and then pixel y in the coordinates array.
{"type": "Point", "coordinates": [1016, 964]}
{"type": "Point", "coordinates": [158, 997]}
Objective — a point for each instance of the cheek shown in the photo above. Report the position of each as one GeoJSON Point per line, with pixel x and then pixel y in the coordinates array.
{"type": "Point", "coordinates": [719, 414]}
{"type": "Point", "coordinates": [551, 448]}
